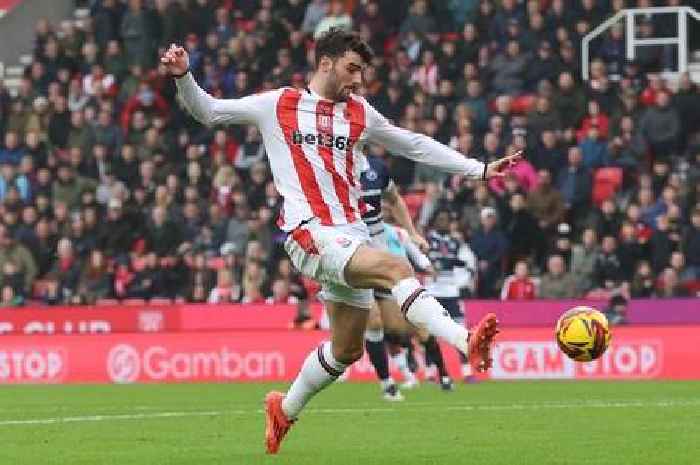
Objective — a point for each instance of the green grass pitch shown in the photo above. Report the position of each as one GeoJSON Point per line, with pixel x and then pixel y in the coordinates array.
{"type": "Point", "coordinates": [536, 423]}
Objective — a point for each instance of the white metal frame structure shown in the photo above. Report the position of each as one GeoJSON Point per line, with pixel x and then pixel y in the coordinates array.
{"type": "Point", "coordinates": [681, 39]}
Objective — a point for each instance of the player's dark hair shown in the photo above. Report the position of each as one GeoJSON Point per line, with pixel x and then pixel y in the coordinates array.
{"type": "Point", "coordinates": [335, 42]}
{"type": "Point", "coordinates": [441, 210]}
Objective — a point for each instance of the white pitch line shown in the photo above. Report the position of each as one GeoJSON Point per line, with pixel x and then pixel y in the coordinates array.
{"type": "Point", "coordinates": [135, 416]}
{"type": "Point", "coordinates": [397, 409]}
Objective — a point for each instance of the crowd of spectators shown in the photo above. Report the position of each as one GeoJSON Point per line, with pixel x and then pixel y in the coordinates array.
{"type": "Point", "coordinates": [109, 190]}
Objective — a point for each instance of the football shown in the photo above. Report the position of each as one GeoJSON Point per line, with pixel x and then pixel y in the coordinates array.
{"type": "Point", "coordinates": [583, 333]}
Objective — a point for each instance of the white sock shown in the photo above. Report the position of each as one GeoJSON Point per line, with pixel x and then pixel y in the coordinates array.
{"type": "Point", "coordinates": [401, 362]}
{"type": "Point", "coordinates": [424, 311]}
{"type": "Point", "coordinates": [318, 371]}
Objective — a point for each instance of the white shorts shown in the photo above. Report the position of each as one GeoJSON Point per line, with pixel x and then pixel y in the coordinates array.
{"type": "Point", "coordinates": [322, 252]}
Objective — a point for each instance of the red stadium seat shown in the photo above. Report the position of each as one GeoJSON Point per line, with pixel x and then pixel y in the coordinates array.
{"type": "Point", "coordinates": [105, 302]}
{"type": "Point", "coordinates": [133, 302]}
{"type": "Point", "coordinates": [606, 182]}
{"type": "Point", "coordinates": [160, 301]}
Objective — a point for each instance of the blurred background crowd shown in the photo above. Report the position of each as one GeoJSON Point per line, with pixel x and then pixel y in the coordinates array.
{"type": "Point", "coordinates": [109, 190]}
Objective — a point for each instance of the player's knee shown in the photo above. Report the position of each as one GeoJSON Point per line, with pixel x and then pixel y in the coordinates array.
{"type": "Point", "coordinates": [396, 269]}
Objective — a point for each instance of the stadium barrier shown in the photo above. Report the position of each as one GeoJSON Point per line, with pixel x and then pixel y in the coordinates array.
{"type": "Point", "coordinates": [636, 352]}
{"type": "Point", "coordinates": [192, 317]}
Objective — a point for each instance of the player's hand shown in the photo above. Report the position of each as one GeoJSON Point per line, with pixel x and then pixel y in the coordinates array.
{"type": "Point", "coordinates": [176, 60]}
{"type": "Point", "coordinates": [420, 242]}
{"type": "Point", "coordinates": [497, 169]}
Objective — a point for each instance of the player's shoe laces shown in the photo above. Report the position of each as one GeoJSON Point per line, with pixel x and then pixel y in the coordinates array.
{"type": "Point", "coordinates": [480, 341]}
{"type": "Point", "coordinates": [276, 422]}
{"type": "Point", "coordinates": [392, 393]}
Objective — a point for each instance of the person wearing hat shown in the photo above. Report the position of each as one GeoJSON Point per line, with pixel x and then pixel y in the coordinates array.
{"type": "Point", "coordinates": [118, 232]}
{"type": "Point", "coordinates": [562, 243]}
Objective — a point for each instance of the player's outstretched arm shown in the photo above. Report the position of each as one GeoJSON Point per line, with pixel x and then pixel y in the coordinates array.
{"type": "Point", "coordinates": [203, 107]}
{"type": "Point", "coordinates": [423, 149]}
{"type": "Point", "coordinates": [402, 216]}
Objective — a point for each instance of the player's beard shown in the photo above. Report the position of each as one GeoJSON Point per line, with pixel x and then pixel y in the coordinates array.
{"type": "Point", "coordinates": [339, 92]}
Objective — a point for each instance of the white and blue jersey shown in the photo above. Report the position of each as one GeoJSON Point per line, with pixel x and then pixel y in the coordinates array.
{"type": "Point", "coordinates": [375, 179]}
{"type": "Point", "coordinates": [455, 270]}
{"type": "Point", "coordinates": [454, 263]}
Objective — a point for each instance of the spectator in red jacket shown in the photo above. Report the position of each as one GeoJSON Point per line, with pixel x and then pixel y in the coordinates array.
{"type": "Point", "coordinates": [147, 100]}
{"type": "Point", "coordinates": [594, 118]}
{"type": "Point", "coordinates": [519, 286]}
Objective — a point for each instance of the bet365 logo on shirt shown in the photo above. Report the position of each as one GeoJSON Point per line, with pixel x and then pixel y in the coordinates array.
{"type": "Point", "coordinates": [323, 140]}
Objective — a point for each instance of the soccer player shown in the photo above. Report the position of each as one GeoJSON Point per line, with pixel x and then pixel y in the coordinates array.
{"type": "Point", "coordinates": [314, 139]}
{"type": "Point", "coordinates": [455, 270]}
{"type": "Point", "coordinates": [379, 193]}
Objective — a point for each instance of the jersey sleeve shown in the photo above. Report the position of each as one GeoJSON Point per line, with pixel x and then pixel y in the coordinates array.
{"type": "Point", "coordinates": [211, 111]}
{"type": "Point", "coordinates": [418, 147]}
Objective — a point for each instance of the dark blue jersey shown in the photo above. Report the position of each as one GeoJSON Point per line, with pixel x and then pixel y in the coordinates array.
{"type": "Point", "coordinates": [374, 180]}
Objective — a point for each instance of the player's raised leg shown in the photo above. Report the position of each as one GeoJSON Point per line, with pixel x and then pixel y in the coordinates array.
{"type": "Point", "coordinates": [322, 366]}
{"type": "Point", "coordinates": [376, 269]}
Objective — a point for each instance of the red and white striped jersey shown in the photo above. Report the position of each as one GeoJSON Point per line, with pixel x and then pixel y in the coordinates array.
{"type": "Point", "coordinates": [314, 146]}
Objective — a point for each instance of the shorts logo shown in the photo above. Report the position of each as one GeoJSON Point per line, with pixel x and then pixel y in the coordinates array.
{"type": "Point", "coordinates": [371, 175]}
{"type": "Point", "coordinates": [344, 242]}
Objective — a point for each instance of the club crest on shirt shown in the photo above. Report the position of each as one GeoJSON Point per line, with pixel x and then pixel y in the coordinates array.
{"type": "Point", "coordinates": [371, 175]}
{"type": "Point", "coordinates": [324, 122]}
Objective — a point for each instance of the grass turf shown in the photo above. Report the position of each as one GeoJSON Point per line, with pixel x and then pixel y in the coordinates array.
{"type": "Point", "coordinates": [537, 423]}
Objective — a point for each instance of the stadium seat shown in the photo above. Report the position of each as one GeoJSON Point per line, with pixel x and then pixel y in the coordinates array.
{"type": "Point", "coordinates": [133, 302]}
{"type": "Point", "coordinates": [160, 301]}
{"type": "Point", "coordinates": [105, 302]}
{"type": "Point", "coordinates": [606, 182]}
